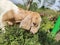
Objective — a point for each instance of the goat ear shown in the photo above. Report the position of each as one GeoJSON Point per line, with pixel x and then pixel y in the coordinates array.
{"type": "Point", "coordinates": [26, 23]}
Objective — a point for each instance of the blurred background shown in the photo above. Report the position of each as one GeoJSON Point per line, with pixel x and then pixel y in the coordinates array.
{"type": "Point", "coordinates": [51, 4]}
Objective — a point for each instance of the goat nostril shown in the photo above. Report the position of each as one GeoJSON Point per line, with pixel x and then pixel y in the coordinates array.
{"type": "Point", "coordinates": [35, 24]}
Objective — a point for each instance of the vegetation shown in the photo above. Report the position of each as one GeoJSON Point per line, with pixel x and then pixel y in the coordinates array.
{"type": "Point", "coordinates": [18, 36]}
